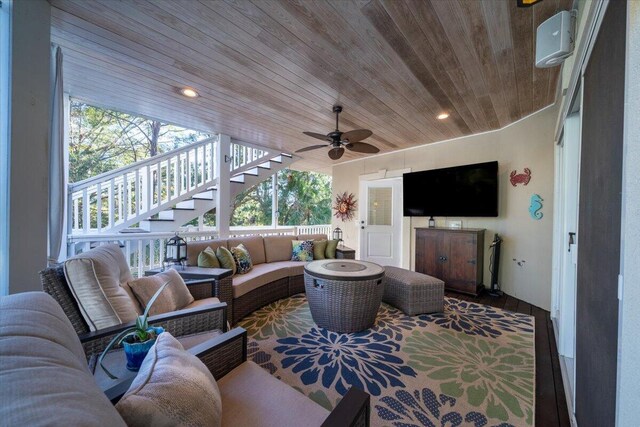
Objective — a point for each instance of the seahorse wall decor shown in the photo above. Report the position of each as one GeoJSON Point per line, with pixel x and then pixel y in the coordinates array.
{"type": "Point", "coordinates": [520, 178]}
{"type": "Point", "coordinates": [535, 207]}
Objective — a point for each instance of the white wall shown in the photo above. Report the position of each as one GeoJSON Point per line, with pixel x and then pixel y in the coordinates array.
{"type": "Point", "coordinates": [29, 175]}
{"type": "Point", "coordinates": [527, 143]}
{"type": "Point", "coordinates": [628, 397]}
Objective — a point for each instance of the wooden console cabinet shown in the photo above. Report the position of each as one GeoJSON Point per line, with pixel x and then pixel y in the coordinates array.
{"type": "Point", "coordinates": [455, 256]}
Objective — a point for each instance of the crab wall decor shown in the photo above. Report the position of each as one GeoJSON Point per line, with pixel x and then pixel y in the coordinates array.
{"type": "Point", "coordinates": [345, 206]}
{"type": "Point", "coordinates": [520, 178]}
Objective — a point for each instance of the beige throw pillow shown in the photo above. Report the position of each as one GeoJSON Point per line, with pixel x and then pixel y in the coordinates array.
{"type": "Point", "coordinates": [98, 281]}
{"type": "Point", "coordinates": [175, 296]}
{"type": "Point", "coordinates": [173, 387]}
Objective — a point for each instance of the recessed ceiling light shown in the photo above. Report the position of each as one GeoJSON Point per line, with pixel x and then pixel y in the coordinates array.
{"type": "Point", "coordinates": [188, 92]}
{"type": "Point", "coordinates": [442, 116]}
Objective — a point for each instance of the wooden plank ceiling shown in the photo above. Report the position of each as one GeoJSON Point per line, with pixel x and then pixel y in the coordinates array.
{"type": "Point", "coordinates": [267, 70]}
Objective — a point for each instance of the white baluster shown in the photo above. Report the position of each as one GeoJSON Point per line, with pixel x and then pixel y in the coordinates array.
{"type": "Point", "coordinates": [85, 210]}
{"type": "Point", "coordinates": [112, 184]}
{"type": "Point", "coordinates": [99, 207]}
{"type": "Point", "coordinates": [125, 195]}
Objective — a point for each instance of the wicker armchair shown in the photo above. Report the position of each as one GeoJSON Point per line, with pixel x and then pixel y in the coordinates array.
{"type": "Point", "coordinates": [228, 351]}
{"type": "Point", "coordinates": [180, 323]}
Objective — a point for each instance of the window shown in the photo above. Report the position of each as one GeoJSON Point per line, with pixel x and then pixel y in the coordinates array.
{"type": "Point", "coordinates": [5, 129]}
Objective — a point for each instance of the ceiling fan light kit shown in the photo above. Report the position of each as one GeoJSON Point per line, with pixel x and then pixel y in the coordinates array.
{"type": "Point", "coordinates": [338, 141]}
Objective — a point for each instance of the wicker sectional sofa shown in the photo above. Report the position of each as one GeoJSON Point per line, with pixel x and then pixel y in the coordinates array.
{"type": "Point", "coordinates": [273, 276]}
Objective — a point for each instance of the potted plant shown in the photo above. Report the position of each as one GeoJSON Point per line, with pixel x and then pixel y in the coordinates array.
{"type": "Point", "coordinates": [136, 340]}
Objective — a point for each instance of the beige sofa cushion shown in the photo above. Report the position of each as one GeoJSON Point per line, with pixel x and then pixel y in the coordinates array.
{"type": "Point", "coordinates": [294, 268]}
{"type": "Point", "coordinates": [254, 245]}
{"type": "Point", "coordinates": [196, 246]}
{"type": "Point", "coordinates": [252, 397]}
{"type": "Point", "coordinates": [43, 370]}
{"type": "Point", "coordinates": [312, 237]}
{"type": "Point", "coordinates": [173, 387]}
{"type": "Point", "coordinates": [98, 281]}
{"type": "Point", "coordinates": [277, 248]}
{"type": "Point", "coordinates": [259, 275]}
{"type": "Point", "coordinates": [175, 295]}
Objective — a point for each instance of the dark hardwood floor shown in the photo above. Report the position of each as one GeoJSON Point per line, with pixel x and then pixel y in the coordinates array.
{"type": "Point", "coordinates": [551, 405]}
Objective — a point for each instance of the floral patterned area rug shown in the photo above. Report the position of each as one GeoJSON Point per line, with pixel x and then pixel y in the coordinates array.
{"type": "Point", "coordinates": [473, 365]}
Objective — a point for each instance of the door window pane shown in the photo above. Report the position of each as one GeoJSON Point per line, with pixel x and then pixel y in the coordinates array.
{"type": "Point", "coordinates": [379, 209]}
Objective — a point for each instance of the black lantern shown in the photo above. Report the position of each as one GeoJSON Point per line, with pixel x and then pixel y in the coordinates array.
{"type": "Point", "coordinates": [337, 234]}
{"type": "Point", "coordinates": [175, 251]}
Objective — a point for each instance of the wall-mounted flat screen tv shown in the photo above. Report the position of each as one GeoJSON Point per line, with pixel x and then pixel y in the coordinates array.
{"type": "Point", "coordinates": [470, 190]}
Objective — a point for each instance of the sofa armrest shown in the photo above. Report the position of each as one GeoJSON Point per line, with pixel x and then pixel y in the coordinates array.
{"type": "Point", "coordinates": [178, 323]}
{"type": "Point", "coordinates": [353, 410]}
{"type": "Point", "coordinates": [223, 353]}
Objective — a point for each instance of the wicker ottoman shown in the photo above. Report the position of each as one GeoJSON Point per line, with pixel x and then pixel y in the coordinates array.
{"type": "Point", "coordinates": [413, 293]}
{"type": "Point", "coordinates": [344, 295]}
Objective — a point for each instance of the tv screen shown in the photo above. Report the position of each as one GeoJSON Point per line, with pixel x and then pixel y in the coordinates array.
{"type": "Point", "coordinates": [470, 190]}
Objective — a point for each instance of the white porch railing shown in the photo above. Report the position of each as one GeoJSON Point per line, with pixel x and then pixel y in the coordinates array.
{"type": "Point", "coordinates": [117, 199]}
{"type": "Point", "coordinates": [145, 251]}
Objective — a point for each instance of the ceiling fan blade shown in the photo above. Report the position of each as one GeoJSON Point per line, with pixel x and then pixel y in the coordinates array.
{"type": "Point", "coordinates": [362, 147]}
{"type": "Point", "coordinates": [317, 135]}
{"type": "Point", "coordinates": [336, 153]}
{"type": "Point", "coordinates": [356, 135]}
{"type": "Point", "coordinates": [313, 147]}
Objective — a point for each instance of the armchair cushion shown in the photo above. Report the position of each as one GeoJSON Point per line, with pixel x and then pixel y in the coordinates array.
{"type": "Point", "coordinates": [172, 387]}
{"type": "Point", "coordinates": [253, 397]}
{"type": "Point", "coordinates": [98, 281]}
{"type": "Point", "coordinates": [174, 297]}
{"type": "Point", "coordinates": [43, 370]}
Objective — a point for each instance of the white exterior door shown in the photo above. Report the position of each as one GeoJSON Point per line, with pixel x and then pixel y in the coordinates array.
{"type": "Point", "coordinates": [381, 221]}
{"type": "Point", "coordinates": [566, 242]}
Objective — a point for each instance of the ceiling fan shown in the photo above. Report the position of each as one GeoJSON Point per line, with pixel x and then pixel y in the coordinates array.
{"type": "Point", "coordinates": [338, 141]}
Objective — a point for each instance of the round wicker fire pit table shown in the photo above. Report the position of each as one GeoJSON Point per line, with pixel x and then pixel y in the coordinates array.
{"type": "Point", "coordinates": [344, 295]}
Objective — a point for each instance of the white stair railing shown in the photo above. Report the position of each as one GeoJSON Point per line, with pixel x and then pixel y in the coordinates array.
{"type": "Point", "coordinates": [245, 156]}
{"type": "Point", "coordinates": [120, 198]}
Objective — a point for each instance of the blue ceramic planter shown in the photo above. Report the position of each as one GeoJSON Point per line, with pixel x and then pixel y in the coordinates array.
{"type": "Point", "coordinates": [136, 352]}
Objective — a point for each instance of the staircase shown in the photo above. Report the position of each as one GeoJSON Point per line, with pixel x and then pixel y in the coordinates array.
{"type": "Point", "coordinates": [164, 192]}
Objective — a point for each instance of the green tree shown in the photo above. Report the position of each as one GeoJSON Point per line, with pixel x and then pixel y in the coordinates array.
{"type": "Point", "coordinates": [101, 140]}
{"type": "Point", "coordinates": [304, 198]}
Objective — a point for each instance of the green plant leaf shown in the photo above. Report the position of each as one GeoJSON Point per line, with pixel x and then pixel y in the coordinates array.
{"type": "Point", "coordinates": [117, 339]}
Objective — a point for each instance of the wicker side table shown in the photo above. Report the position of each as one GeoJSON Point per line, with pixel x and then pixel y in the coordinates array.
{"type": "Point", "coordinates": [344, 295]}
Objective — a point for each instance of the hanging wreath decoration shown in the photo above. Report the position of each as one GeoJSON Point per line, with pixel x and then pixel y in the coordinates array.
{"type": "Point", "coordinates": [345, 207]}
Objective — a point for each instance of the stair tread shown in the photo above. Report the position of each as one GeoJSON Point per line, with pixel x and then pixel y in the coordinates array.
{"type": "Point", "coordinates": [157, 219]}
{"type": "Point", "coordinates": [175, 208]}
